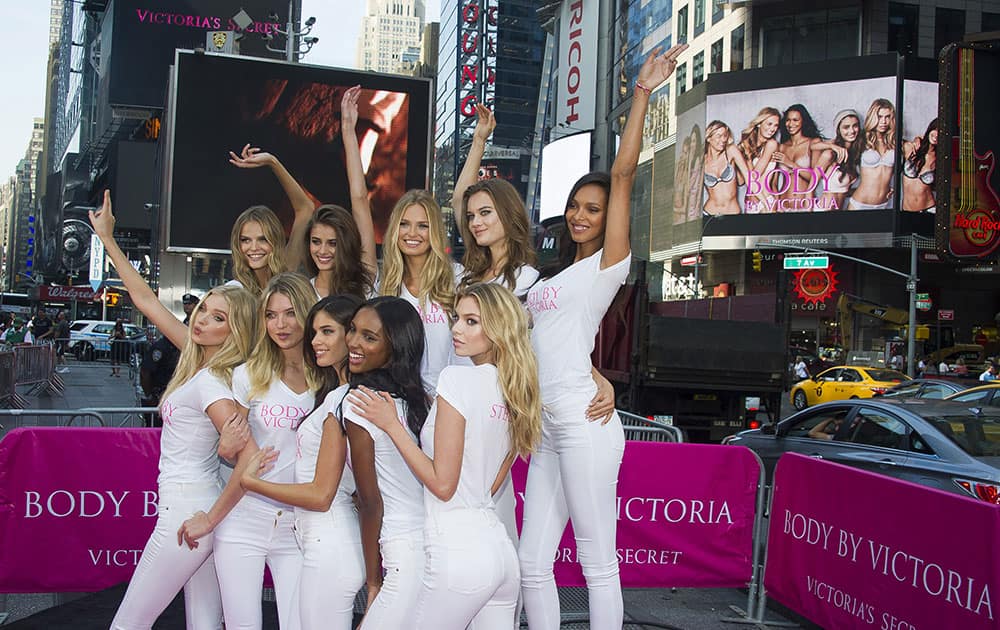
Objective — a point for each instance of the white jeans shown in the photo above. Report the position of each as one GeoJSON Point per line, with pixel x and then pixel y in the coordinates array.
{"type": "Point", "coordinates": [333, 569]}
{"type": "Point", "coordinates": [255, 533]}
{"type": "Point", "coordinates": [506, 502]}
{"type": "Point", "coordinates": [471, 577]}
{"type": "Point", "coordinates": [403, 561]}
{"type": "Point", "coordinates": [165, 567]}
{"type": "Point", "coordinates": [573, 475]}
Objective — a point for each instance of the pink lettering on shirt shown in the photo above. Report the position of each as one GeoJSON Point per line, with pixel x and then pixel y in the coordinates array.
{"type": "Point", "coordinates": [433, 314]}
{"type": "Point", "coordinates": [544, 298]}
{"type": "Point", "coordinates": [167, 412]}
{"type": "Point", "coordinates": [499, 412]}
{"type": "Point", "coordinates": [278, 416]}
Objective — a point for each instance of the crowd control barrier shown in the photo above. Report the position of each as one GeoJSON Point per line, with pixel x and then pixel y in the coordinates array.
{"type": "Point", "coordinates": [852, 549]}
{"type": "Point", "coordinates": [33, 365]}
{"type": "Point", "coordinates": [7, 387]}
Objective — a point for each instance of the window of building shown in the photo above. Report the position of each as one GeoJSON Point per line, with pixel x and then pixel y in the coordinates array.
{"type": "Point", "coordinates": [903, 22]}
{"type": "Point", "coordinates": [682, 72]}
{"type": "Point", "coordinates": [682, 25]}
{"type": "Point", "coordinates": [991, 22]}
{"type": "Point", "coordinates": [736, 48]}
{"type": "Point", "coordinates": [699, 17]}
{"type": "Point", "coordinates": [718, 11]}
{"type": "Point", "coordinates": [716, 59]}
{"type": "Point", "coordinates": [949, 26]}
{"type": "Point", "coordinates": [810, 36]}
{"type": "Point", "coordinates": [698, 69]}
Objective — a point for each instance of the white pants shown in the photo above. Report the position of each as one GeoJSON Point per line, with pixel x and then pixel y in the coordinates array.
{"type": "Point", "coordinates": [471, 577]}
{"type": "Point", "coordinates": [165, 567]}
{"type": "Point", "coordinates": [333, 568]}
{"type": "Point", "coordinates": [506, 502]}
{"type": "Point", "coordinates": [254, 533]}
{"type": "Point", "coordinates": [574, 475]}
{"type": "Point", "coordinates": [403, 561]}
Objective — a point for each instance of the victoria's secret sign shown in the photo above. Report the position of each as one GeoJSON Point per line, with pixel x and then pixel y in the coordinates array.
{"type": "Point", "coordinates": [206, 22]}
{"type": "Point", "coordinates": [477, 56]}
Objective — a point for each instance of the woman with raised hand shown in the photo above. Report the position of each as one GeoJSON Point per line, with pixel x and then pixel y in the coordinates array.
{"type": "Point", "coordinates": [326, 522]}
{"type": "Point", "coordinates": [341, 244]}
{"type": "Point", "coordinates": [484, 415]}
{"type": "Point", "coordinates": [574, 473]}
{"type": "Point", "coordinates": [385, 343]}
{"type": "Point", "coordinates": [195, 407]}
{"type": "Point", "coordinates": [276, 389]}
{"type": "Point", "coordinates": [303, 204]}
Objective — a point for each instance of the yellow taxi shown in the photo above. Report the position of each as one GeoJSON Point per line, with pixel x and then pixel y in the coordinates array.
{"type": "Point", "coordinates": [842, 382]}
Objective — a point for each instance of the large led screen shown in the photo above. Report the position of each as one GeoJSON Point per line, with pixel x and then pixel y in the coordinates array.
{"type": "Point", "coordinates": [220, 103]}
{"type": "Point", "coordinates": [802, 148]}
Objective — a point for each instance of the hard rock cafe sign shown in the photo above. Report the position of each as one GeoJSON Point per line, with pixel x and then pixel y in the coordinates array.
{"type": "Point", "coordinates": [815, 286]}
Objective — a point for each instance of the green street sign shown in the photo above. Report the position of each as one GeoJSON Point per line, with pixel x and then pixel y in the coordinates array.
{"type": "Point", "coordinates": [924, 296]}
{"type": "Point", "coordinates": [806, 262]}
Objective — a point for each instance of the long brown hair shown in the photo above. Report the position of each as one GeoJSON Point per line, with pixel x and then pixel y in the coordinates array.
{"type": "Point", "coordinates": [514, 218]}
{"type": "Point", "coordinates": [349, 274]}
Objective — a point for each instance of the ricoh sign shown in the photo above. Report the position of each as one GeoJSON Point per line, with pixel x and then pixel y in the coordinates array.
{"type": "Point", "coordinates": [577, 93]}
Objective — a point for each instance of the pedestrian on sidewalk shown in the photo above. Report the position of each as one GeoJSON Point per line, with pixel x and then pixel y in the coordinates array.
{"type": "Point", "coordinates": [119, 349]}
{"type": "Point", "coordinates": [61, 337]}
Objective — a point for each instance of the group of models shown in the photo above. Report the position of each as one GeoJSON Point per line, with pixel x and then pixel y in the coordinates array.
{"type": "Point", "coordinates": [365, 440]}
{"type": "Point", "coordinates": [781, 163]}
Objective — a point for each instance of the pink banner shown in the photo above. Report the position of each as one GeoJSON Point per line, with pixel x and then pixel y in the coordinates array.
{"type": "Point", "coordinates": [685, 516]}
{"type": "Point", "coordinates": [76, 506]}
{"type": "Point", "coordinates": [853, 549]}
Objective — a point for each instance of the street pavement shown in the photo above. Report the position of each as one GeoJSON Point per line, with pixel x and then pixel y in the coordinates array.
{"type": "Point", "coordinates": [90, 385]}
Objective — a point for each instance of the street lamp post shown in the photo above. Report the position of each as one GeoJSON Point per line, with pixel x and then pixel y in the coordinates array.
{"type": "Point", "coordinates": [695, 289]}
{"type": "Point", "coordinates": [292, 34]}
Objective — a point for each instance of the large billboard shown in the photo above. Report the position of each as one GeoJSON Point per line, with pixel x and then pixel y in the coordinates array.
{"type": "Point", "coordinates": [821, 154]}
{"type": "Point", "coordinates": [220, 103]}
{"type": "Point", "coordinates": [138, 39]}
{"type": "Point", "coordinates": [968, 226]}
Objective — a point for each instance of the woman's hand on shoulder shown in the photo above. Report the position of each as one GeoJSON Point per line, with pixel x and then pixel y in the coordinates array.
{"type": "Point", "coordinates": [375, 407]}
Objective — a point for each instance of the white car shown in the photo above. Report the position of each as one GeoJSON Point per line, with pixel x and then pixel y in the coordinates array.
{"type": "Point", "coordinates": [88, 338]}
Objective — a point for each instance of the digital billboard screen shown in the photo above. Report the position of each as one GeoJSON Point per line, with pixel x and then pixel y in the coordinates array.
{"type": "Point", "coordinates": [221, 102]}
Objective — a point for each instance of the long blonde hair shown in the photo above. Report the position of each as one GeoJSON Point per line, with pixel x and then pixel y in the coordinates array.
{"type": "Point", "coordinates": [871, 125]}
{"type": "Point", "coordinates": [751, 143]}
{"type": "Point", "coordinates": [514, 218]}
{"type": "Point", "coordinates": [275, 235]}
{"type": "Point", "coordinates": [266, 362]}
{"type": "Point", "coordinates": [234, 350]}
{"type": "Point", "coordinates": [506, 324]}
{"type": "Point", "coordinates": [437, 278]}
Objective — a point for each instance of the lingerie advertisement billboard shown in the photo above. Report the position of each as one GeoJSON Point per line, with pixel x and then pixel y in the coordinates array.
{"type": "Point", "coordinates": [219, 103]}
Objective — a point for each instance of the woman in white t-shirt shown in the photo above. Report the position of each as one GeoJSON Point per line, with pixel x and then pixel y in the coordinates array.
{"type": "Point", "coordinates": [385, 343]}
{"type": "Point", "coordinates": [325, 519]}
{"type": "Point", "coordinates": [574, 474]}
{"type": "Point", "coordinates": [276, 389]}
{"type": "Point", "coordinates": [484, 416]}
{"type": "Point", "coordinates": [195, 406]}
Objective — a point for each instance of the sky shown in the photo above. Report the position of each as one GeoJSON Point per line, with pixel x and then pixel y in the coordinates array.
{"type": "Point", "coordinates": [23, 80]}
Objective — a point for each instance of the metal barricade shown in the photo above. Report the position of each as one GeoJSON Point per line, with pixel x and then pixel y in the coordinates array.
{"type": "Point", "coordinates": [7, 373]}
{"type": "Point", "coordinates": [118, 417]}
{"type": "Point", "coordinates": [35, 365]}
{"type": "Point", "coordinates": [646, 430]}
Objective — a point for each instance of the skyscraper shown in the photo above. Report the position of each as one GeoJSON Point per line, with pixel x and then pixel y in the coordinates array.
{"type": "Point", "coordinates": [388, 30]}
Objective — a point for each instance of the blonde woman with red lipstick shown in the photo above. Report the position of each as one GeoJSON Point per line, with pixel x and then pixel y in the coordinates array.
{"type": "Point", "coordinates": [276, 389]}
{"type": "Point", "coordinates": [195, 407]}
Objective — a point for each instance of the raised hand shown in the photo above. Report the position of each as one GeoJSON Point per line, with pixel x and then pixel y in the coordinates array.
{"type": "Point", "coordinates": [103, 220]}
{"type": "Point", "coordinates": [251, 157]}
{"type": "Point", "coordinates": [658, 67]}
{"type": "Point", "coordinates": [486, 122]}
{"type": "Point", "coordinates": [349, 108]}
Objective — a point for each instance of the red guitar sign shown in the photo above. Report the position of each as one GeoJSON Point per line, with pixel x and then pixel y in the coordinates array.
{"type": "Point", "coordinates": [974, 231]}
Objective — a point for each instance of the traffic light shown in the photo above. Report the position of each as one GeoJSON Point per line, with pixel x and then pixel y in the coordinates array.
{"type": "Point", "coordinates": [757, 259]}
{"type": "Point", "coordinates": [111, 299]}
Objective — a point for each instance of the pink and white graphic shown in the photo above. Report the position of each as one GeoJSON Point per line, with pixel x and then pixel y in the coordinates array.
{"type": "Point", "coordinates": [76, 506]}
{"type": "Point", "coordinates": [685, 517]}
{"type": "Point", "coordinates": [852, 549]}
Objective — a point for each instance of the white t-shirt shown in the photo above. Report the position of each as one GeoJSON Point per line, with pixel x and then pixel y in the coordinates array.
{"type": "Point", "coordinates": [189, 440]}
{"type": "Point", "coordinates": [310, 434]}
{"type": "Point", "coordinates": [524, 277]}
{"type": "Point", "coordinates": [274, 418]}
{"type": "Point", "coordinates": [567, 311]}
{"type": "Point", "coordinates": [475, 393]}
{"type": "Point", "coordinates": [402, 493]}
{"type": "Point", "coordinates": [801, 371]}
{"type": "Point", "coordinates": [234, 283]}
{"type": "Point", "coordinates": [438, 349]}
